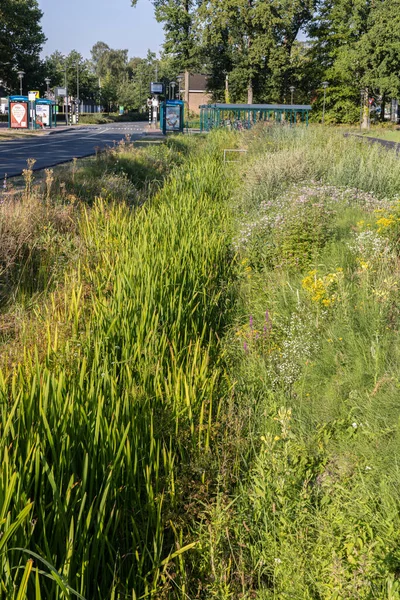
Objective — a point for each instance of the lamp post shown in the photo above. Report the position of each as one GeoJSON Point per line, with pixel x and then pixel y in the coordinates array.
{"type": "Point", "coordinates": [292, 88]}
{"type": "Point", "coordinates": [47, 82]}
{"type": "Point", "coordinates": [66, 96]}
{"type": "Point", "coordinates": [172, 84]}
{"type": "Point", "coordinates": [77, 85]}
{"type": "Point", "coordinates": [324, 85]}
{"type": "Point", "coordinates": [179, 79]}
{"type": "Point", "coordinates": [20, 77]}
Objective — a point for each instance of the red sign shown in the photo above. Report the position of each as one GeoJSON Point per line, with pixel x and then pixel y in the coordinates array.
{"type": "Point", "coordinates": [19, 115]}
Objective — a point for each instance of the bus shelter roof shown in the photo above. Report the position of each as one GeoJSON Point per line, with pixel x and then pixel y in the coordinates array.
{"type": "Point", "coordinates": [297, 107]}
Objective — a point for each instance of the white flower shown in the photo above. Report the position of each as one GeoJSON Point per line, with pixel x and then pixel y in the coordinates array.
{"type": "Point", "coordinates": [277, 561]}
{"type": "Point", "coordinates": [354, 425]}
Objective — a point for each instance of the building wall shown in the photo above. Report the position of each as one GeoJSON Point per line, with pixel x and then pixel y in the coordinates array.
{"type": "Point", "coordinates": [196, 99]}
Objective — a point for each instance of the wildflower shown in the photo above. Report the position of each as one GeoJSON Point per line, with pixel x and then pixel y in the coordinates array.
{"type": "Point", "coordinates": [277, 561]}
{"type": "Point", "coordinates": [368, 468]}
{"type": "Point", "coordinates": [354, 425]}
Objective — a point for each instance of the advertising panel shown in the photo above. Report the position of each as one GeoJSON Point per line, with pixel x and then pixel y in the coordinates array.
{"type": "Point", "coordinates": [19, 115]}
{"type": "Point", "coordinates": [43, 114]}
{"type": "Point", "coordinates": [172, 117]}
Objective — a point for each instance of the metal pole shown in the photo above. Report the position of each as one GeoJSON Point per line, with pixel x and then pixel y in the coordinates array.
{"type": "Point", "coordinates": [325, 85]}
{"type": "Point", "coordinates": [77, 85]}
{"type": "Point", "coordinates": [20, 76]}
{"type": "Point", "coordinates": [66, 97]}
{"type": "Point", "coordinates": [292, 88]}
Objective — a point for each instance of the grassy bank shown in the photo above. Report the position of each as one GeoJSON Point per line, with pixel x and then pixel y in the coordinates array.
{"type": "Point", "coordinates": [199, 400]}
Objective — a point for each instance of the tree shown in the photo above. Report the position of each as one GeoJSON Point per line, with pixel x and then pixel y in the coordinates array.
{"type": "Point", "coordinates": [21, 40]}
{"type": "Point", "coordinates": [181, 34]}
{"type": "Point", "coordinates": [335, 30]}
{"type": "Point", "coordinates": [253, 40]}
{"type": "Point", "coordinates": [77, 70]}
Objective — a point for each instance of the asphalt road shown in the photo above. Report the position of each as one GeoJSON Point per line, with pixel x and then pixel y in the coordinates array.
{"type": "Point", "coordinates": [56, 148]}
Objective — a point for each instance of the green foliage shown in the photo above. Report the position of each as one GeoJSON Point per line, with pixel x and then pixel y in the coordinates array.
{"type": "Point", "coordinates": [308, 506]}
{"type": "Point", "coordinates": [105, 414]}
{"type": "Point", "coordinates": [253, 42]}
{"type": "Point", "coordinates": [73, 67]}
{"type": "Point", "coordinates": [223, 414]}
{"type": "Point", "coordinates": [21, 40]}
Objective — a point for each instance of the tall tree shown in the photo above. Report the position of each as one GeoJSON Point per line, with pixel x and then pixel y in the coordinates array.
{"type": "Point", "coordinates": [21, 40]}
{"type": "Point", "coordinates": [335, 31]}
{"type": "Point", "coordinates": [181, 33]}
{"type": "Point", "coordinates": [257, 38]}
{"type": "Point", "coordinates": [76, 70]}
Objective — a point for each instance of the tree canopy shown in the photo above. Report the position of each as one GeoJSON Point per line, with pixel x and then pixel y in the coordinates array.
{"type": "Point", "coordinates": [21, 40]}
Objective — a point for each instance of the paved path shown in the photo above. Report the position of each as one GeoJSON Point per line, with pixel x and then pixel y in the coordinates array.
{"type": "Point", "coordinates": [389, 145]}
{"type": "Point", "coordinates": [51, 150]}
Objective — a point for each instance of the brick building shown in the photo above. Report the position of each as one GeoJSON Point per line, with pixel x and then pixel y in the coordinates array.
{"type": "Point", "coordinates": [198, 93]}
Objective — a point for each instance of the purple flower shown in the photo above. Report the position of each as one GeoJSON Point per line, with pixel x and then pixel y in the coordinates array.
{"type": "Point", "coordinates": [251, 321]}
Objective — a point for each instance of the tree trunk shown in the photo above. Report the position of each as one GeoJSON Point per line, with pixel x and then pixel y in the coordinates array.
{"type": "Point", "coordinates": [365, 121]}
{"type": "Point", "coordinates": [187, 77]}
{"type": "Point", "coordinates": [250, 92]}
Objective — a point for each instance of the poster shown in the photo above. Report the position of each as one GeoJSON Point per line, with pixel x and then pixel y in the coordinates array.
{"type": "Point", "coordinates": [173, 117]}
{"type": "Point", "coordinates": [43, 113]}
{"type": "Point", "coordinates": [19, 115]}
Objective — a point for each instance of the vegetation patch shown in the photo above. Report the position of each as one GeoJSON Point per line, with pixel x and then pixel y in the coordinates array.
{"type": "Point", "coordinates": [201, 400]}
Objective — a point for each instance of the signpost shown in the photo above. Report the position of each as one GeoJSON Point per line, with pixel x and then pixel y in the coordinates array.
{"type": "Point", "coordinates": [32, 100]}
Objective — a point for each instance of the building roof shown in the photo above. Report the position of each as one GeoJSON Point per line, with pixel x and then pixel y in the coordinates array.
{"type": "Point", "coordinates": [197, 82]}
{"type": "Point", "coordinates": [258, 106]}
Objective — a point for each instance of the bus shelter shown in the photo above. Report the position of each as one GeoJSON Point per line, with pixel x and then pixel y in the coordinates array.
{"type": "Point", "coordinates": [172, 116]}
{"type": "Point", "coordinates": [45, 113]}
{"type": "Point", "coordinates": [23, 114]}
{"type": "Point", "coordinates": [244, 116]}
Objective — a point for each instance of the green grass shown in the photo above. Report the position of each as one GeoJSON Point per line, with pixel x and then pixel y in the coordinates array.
{"type": "Point", "coordinates": [206, 405]}
{"type": "Point", "coordinates": [312, 509]}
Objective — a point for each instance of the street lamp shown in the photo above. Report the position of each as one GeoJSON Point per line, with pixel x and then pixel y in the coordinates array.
{"type": "Point", "coordinates": [172, 84]}
{"type": "Point", "coordinates": [324, 85]}
{"type": "Point", "coordinates": [77, 85]}
{"type": "Point", "coordinates": [20, 76]}
{"type": "Point", "coordinates": [66, 95]}
{"type": "Point", "coordinates": [292, 88]}
{"type": "Point", "coordinates": [47, 82]}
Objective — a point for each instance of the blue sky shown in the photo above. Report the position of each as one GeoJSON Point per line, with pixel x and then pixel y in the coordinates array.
{"type": "Point", "coordinates": [79, 24]}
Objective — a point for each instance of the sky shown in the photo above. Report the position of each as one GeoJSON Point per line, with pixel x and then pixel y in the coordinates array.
{"type": "Point", "coordinates": [79, 24]}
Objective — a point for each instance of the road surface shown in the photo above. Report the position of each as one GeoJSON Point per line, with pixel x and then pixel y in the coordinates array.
{"type": "Point", "coordinates": [56, 148]}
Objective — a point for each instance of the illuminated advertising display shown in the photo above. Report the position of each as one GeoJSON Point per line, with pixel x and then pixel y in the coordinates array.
{"type": "Point", "coordinates": [19, 115]}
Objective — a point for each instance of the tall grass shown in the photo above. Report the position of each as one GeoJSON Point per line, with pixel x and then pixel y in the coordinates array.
{"type": "Point", "coordinates": [95, 433]}
{"type": "Point", "coordinates": [311, 507]}
{"type": "Point", "coordinates": [211, 409]}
